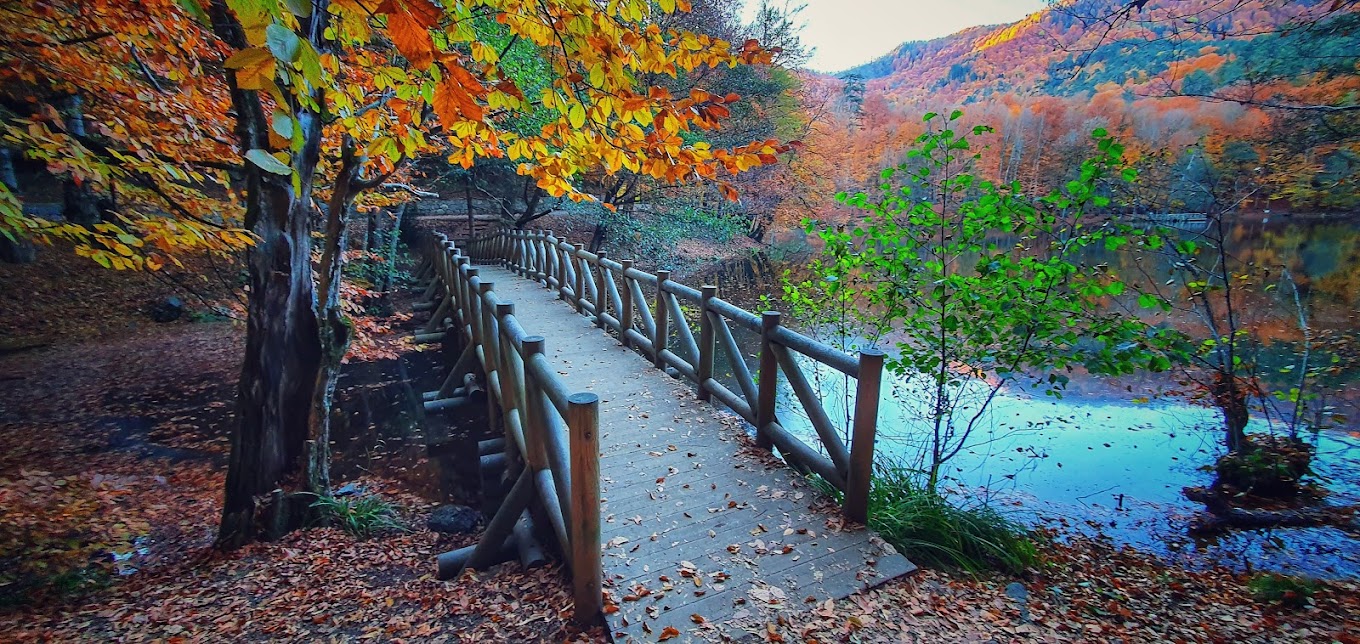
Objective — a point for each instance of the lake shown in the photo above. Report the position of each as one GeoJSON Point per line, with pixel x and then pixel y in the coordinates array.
{"type": "Point", "coordinates": [1100, 460]}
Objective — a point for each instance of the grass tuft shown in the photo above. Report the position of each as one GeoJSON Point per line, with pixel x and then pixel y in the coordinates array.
{"type": "Point", "coordinates": [930, 530]}
{"type": "Point", "coordinates": [362, 516]}
{"type": "Point", "coordinates": [1291, 592]}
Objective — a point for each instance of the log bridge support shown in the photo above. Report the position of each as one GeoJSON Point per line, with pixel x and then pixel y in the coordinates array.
{"type": "Point", "coordinates": [548, 457]}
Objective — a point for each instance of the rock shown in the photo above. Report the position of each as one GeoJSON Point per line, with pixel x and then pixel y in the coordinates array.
{"type": "Point", "coordinates": [349, 489]}
{"type": "Point", "coordinates": [1016, 591]}
{"type": "Point", "coordinates": [168, 310]}
{"type": "Point", "coordinates": [454, 519]}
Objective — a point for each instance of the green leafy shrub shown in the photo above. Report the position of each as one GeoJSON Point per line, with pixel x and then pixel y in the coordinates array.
{"type": "Point", "coordinates": [362, 516]}
{"type": "Point", "coordinates": [1273, 588]}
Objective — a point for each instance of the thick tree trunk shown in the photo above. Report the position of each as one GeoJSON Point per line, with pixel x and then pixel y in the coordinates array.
{"type": "Point", "coordinates": [270, 455]}
{"type": "Point", "coordinates": [279, 373]}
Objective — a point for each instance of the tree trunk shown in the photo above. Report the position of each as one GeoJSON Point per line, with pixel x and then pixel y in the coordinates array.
{"type": "Point", "coordinates": [392, 237]}
{"type": "Point", "coordinates": [7, 174]}
{"type": "Point", "coordinates": [335, 330]}
{"type": "Point", "coordinates": [79, 202]}
{"type": "Point", "coordinates": [19, 250]}
{"type": "Point", "coordinates": [270, 452]}
{"type": "Point", "coordinates": [373, 237]}
{"type": "Point", "coordinates": [1231, 399]}
{"type": "Point", "coordinates": [467, 197]}
{"type": "Point", "coordinates": [597, 238]}
{"type": "Point", "coordinates": [79, 205]}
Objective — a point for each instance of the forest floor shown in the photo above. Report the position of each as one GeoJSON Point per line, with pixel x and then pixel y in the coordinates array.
{"type": "Point", "coordinates": [113, 443]}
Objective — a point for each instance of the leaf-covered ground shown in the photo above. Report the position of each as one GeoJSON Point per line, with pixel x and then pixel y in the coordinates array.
{"type": "Point", "coordinates": [112, 453]}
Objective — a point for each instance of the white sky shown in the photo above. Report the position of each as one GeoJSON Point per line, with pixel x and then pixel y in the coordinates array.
{"type": "Point", "coordinates": [849, 32]}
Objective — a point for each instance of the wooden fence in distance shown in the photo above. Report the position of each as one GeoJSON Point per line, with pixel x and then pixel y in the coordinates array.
{"type": "Point", "coordinates": [645, 311]}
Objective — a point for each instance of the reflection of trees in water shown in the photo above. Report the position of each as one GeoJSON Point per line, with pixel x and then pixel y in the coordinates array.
{"type": "Point", "coordinates": [1322, 257]}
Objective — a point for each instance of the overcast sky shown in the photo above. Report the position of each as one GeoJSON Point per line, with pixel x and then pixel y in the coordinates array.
{"type": "Point", "coordinates": [849, 32]}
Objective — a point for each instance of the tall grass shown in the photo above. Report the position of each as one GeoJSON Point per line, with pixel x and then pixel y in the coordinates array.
{"type": "Point", "coordinates": [362, 516]}
{"type": "Point", "coordinates": [931, 530]}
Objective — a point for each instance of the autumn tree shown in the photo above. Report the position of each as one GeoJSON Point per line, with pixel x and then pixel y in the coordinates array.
{"type": "Point", "coordinates": [302, 109]}
{"type": "Point", "coordinates": [149, 142]}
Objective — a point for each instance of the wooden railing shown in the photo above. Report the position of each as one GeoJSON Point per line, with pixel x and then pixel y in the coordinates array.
{"type": "Point", "coordinates": [645, 311]}
{"type": "Point", "coordinates": [551, 434]}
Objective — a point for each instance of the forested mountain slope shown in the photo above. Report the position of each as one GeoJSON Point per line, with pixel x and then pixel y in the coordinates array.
{"type": "Point", "coordinates": [1195, 47]}
{"type": "Point", "coordinates": [1200, 91]}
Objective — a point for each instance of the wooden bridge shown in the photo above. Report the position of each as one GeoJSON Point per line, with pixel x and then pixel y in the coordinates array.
{"type": "Point", "coordinates": [668, 513]}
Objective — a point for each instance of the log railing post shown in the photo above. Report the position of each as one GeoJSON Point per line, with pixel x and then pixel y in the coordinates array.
{"type": "Point", "coordinates": [486, 330]}
{"type": "Point", "coordinates": [550, 260]}
{"type": "Point", "coordinates": [707, 343]}
{"type": "Point", "coordinates": [626, 308]}
{"type": "Point", "coordinates": [867, 393]}
{"type": "Point", "coordinates": [459, 286]}
{"type": "Point", "coordinates": [601, 295]}
{"type": "Point", "coordinates": [583, 418]}
{"type": "Point", "coordinates": [474, 308]}
{"type": "Point", "coordinates": [531, 255]}
{"type": "Point", "coordinates": [663, 330]}
{"type": "Point", "coordinates": [541, 256]}
{"type": "Point", "coordinates": [521, 253]}
{"type": "Point", "coordinates": [579, 294]}
{"type": "Point", "coordinates": [534, 425]}
{"type": "Point", "coordinates": [768, 378]}
{"type": "Point", "coordinates": [510, 382]}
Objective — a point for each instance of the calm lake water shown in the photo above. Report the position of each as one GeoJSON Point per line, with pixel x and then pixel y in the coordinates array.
{"type": "Point", "coordinates": [1096, 461]}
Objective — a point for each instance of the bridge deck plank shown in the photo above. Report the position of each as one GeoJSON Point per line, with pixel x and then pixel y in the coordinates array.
{"type": "Point", "coordinates": [684, 492]}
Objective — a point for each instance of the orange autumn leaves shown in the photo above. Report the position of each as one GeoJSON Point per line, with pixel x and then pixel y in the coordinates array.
{"type": "Point", "coordinates": [403, 78]}
{"type": "Point", "coordinates": [605, 121]}
{"type": "Point", "coordinates": [147, 126]}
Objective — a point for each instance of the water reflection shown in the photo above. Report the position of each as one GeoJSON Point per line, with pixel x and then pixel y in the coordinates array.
{"type": "Point", "coordinates": [1098, 461]}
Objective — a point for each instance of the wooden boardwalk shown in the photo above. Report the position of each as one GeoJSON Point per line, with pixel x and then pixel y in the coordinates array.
{"type": "Point", "coordinates": [701, 531]}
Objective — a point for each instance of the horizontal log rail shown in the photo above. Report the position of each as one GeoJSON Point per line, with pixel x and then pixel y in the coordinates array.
{"type": "Point", "coordinates": [551, 434]}
{"type": "Point", "coordinates": [651, 314]}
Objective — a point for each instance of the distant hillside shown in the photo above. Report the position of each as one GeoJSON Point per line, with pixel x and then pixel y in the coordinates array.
{"type": "Point", "coordinates": [1053, 53]}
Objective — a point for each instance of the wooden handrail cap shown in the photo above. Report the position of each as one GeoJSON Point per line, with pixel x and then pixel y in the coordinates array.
{"type": "Point", "coordinates": [583, 398]}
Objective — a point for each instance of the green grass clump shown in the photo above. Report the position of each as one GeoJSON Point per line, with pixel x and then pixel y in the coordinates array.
{"type": "Point", "coordinates": [361, 516]}
{"type": "Point", "coordinates": [930, 530]}
{"type": "Point", "coordinates": [1293, 592]}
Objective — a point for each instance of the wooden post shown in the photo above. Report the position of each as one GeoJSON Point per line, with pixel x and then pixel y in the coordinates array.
{"type": "Point", "coordinates": [583, 418]}
{"type": "Point", "coordinates": [550, 260]}
{"type": "Point", "coordinates": [474, 306]}
{"type": "Point", "coordinates": [511, 395]}
{"type": "Point", "coordinates": [867, 393]}
{"type": "Point", "coordinates": [706, 339]}
{"type": "Point", "coordinates": [580, 292]}
{"type": "Point", "coordinates": [626, 296]}
{"type": "Point", "coordinates": [601, 295]}
{"type": "Point", "coordinates": [663, 330]}
{"type": "Point", "coordinates": [768, 379]}
{"type": "Point", "coordinates": [458, 286]}
{"type": "Point", "coordinates": [491, 359]}
{"type": "Point", "coordinates": [541, 256]}
{"type": "Point", "coordinates": [529, 408]}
